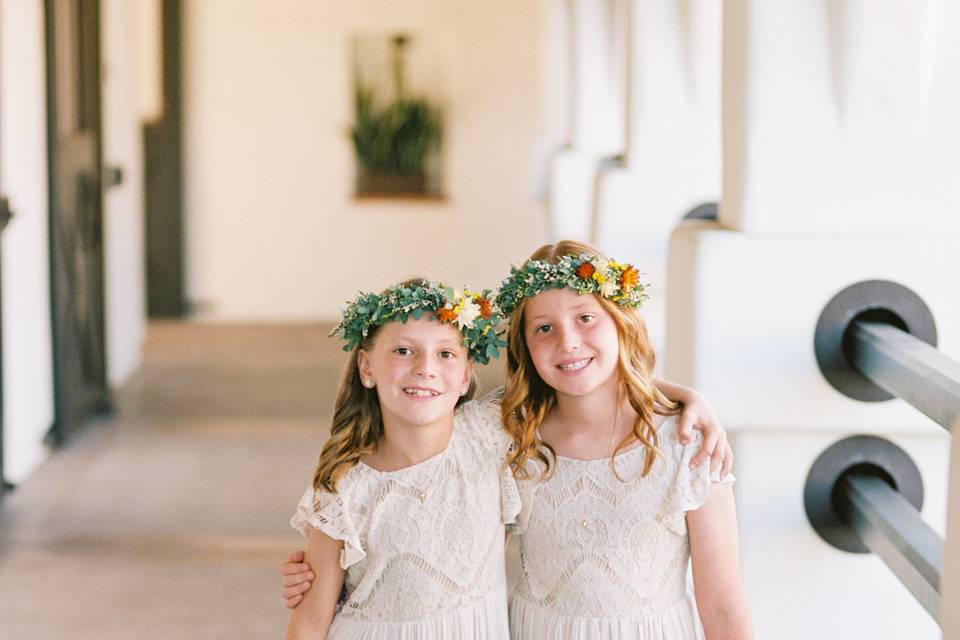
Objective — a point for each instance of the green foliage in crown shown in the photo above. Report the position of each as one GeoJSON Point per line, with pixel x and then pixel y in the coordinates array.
{"type": "Point", "coordinates": [474, 314]}
{"type": "Point", "coordinates": [615, 281]}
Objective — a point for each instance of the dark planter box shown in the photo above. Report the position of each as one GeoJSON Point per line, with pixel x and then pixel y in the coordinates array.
{"type": "Point", "coordinates": [381, 183]}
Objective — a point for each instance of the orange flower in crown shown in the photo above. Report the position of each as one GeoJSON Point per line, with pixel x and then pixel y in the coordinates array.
{"type": "Point", "coordinates": [446, 314]}
{"type": "Point", "coordinates": [629, 279]}
{"type": "Point", "coordinates": [486, 306]}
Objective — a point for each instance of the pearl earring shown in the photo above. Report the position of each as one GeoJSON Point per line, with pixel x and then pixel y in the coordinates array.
{"type": "Point", "coordinates": [368, 384]}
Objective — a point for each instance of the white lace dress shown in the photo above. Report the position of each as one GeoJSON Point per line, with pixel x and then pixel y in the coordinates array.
{"type": "Point", "coordinates": [602, 558]}
{"type": "Point", "coordinates": [423, 546]}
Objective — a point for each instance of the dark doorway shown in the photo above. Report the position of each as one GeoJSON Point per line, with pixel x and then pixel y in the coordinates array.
{"type": "Point", "coordinates": [5, 215]}
{"type": "Point", "coordinates": [163, 183]}
{"type": "Point", "coordinates": [76, 213]}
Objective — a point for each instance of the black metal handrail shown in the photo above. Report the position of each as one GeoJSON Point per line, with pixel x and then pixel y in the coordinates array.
{"type": "Point", "coordinates": [908, 368]}
{"type": "Point", "coordinates": [882, 518]}
{"type": "Point", "coordinates": [891, 527]}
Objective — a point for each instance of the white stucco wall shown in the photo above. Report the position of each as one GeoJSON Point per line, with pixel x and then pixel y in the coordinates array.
{"type": "Point", "coordinates": [838, 145]}
{"type": "Point", "coordinates": [28, 364]}
{"type": "Point", "coordinates": [875, 148]}
{"type": "Point", "coordinates": [122, 204]}
{"type": "Point", "coordinates": [272, 230]}
{"type": "Point", "coordinates": [672, 161]}
{"type": "Point", "coordinates": [742, 314]}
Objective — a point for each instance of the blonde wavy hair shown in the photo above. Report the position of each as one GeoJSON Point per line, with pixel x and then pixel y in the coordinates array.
{"type": "Point", "coordinates": [357, 424]}
{"type": "Point", "coordinates": [527, 399]}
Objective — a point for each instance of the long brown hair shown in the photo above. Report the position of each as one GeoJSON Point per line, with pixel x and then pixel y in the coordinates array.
{"type": "Point", "coordinates": [527, 398]}
{"type": "Point", "coordinates": [357, 424]}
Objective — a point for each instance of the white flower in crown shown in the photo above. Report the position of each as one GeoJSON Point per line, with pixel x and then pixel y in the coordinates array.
{"type": "Point", "coordinates": [468, 313]}
{"type": "Point", "coordinates": [602, 265]}
{"type": "Point", "coordinates": [609, 288]}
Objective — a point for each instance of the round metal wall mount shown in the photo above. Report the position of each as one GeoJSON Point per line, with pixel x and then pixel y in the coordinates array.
{"type": "Point", "coordinates": [706, 211]}
{"type": "Point", "coordinates": [889, 460]}
{"type": "Point", "coordinates": [879, 300]}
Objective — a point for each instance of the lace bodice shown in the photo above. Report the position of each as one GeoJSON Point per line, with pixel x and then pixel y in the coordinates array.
{"type": "Point", "coordinates": [593, 546]}
{"type": "Point", "coordinates": [425, 540]}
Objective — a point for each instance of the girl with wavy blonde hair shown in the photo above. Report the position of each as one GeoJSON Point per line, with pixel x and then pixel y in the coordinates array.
{"type": "Point", "coordinates": [527, 399]}
{"type": "Point", "coordinates": [614, 507]}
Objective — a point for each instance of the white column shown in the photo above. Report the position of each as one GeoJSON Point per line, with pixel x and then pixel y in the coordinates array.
{"type": "Point", "coordinates": [596, 35]}
{"type": "Point", "coordinates": [124, 268]}
{"type": "Point", "coordinates": [840, 116]}
{"type": "Point", "coordinates": [838, 166]}
{"type": "Point", "coordinates": [673, 138]}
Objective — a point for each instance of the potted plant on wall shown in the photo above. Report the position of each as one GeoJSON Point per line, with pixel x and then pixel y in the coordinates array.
{"type": "Point", "coordinates": [394, 144]}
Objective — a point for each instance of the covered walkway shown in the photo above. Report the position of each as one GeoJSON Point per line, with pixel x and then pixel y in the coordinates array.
{"type": "Point", "coordinates": [186, 491]}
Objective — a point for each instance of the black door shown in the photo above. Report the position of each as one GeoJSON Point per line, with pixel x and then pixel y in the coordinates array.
{"type": "Point", "coordinates": [76, 216]}
{"type": "Point", "coordinates": [5, 216]}
{"type": "Point", "coordinates": [163, 169]}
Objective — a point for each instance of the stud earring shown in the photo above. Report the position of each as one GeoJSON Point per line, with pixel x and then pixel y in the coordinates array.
{"type": "Point", "coordinates": [368, 384]}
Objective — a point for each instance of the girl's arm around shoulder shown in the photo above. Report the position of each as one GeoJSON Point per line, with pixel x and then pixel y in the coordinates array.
{"type": "Point", "coordinates": [312, 618]}
{"type": "Point", "coordinates": [715, 556]}
{"type": "Point", "coordinates": [698, 414]}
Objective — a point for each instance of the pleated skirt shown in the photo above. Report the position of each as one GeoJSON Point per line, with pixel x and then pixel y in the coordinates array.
{"type": "Point", "coordinates": [485, 619]}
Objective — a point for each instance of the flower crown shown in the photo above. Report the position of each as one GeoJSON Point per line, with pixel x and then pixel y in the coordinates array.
{"type": "Point", "coordinates": [475, 314]}
{"type": "Point", "coordinates": [615, 281]}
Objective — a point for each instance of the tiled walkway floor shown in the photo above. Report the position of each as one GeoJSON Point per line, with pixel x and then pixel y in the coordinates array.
{"type": "Point", "coordinates": [169, 520]}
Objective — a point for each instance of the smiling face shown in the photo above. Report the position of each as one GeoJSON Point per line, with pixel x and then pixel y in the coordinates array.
{"type": "Point", "coordinates": [572, 341]}
{"type": "Point", "coordinates": [420, 369]}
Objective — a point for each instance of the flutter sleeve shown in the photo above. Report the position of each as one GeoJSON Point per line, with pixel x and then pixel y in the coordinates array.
{"type": "Point", "coordinates": [329, 513]}
{"type": "Point", "coordinates": [511, 501]}
{"type": "Point", "coordinates": [690, 487]}
{"type": "Point", "coordinates": [485, 416]}
{"type": "Point", "coordinates": [526, 493]}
